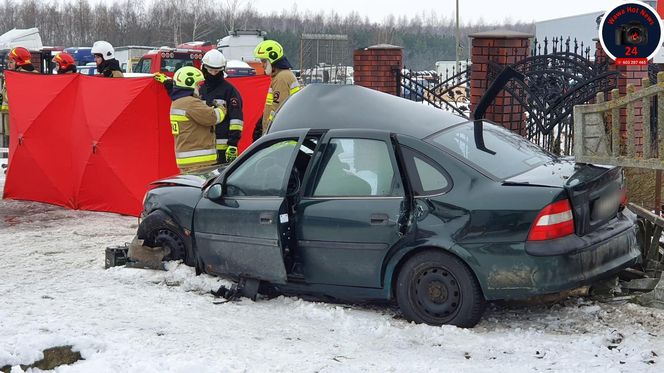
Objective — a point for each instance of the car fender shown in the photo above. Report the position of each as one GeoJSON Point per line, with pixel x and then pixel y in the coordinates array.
{"type": "Point", "coordinates": [176, 201]}
{"type": "Point", "coordinates": [398, 258]}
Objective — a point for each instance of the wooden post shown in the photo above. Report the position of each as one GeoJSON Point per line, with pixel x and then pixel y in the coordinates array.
{"type": "Point", "coordinates": [631, 145]}
{"type": "Point", "coordinates": [615, 125]}
{"type": "Point", "coordinates": [658, 192]}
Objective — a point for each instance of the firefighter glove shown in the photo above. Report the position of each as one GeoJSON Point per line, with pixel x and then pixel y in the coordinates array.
{"type": "Point", "coordinates": [160, 77]}
{"type": "Point", "coordinates": [231, 153]}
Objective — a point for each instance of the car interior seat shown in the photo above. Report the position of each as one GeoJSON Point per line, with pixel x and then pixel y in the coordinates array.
{"type": "Point", "coordinates": [337, 181]}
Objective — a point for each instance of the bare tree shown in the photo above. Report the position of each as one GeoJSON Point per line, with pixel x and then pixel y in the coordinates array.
{"type": "Point", "coordinates": [426, 37]}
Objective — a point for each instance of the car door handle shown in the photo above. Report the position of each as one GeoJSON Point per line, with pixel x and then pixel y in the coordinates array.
{"type": "Point", "coordinates": [379, 219]}
{"type": "Point", "coordinates": [265, 218]}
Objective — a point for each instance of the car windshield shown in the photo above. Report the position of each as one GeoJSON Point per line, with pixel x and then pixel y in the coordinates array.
{"type": "Point", "coordinates": [506, 154]}
{"type": "Point", "coordinates": [173, 64]}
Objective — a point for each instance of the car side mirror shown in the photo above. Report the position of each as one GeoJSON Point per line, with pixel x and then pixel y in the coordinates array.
{"type": "Point", "coordinates": [214, 193]}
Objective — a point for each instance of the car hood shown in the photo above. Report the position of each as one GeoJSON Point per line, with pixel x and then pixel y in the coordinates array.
{"type": "Point", "coordinates": [196, 180]}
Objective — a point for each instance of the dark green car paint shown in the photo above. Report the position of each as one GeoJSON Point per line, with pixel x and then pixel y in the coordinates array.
{"type": "Point", "coordinates": [352, 248]}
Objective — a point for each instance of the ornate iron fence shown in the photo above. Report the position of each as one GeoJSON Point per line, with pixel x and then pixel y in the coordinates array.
{"type": "Point", "coordinates": [548, 85]}
{"type": "Point", "coordinates": [449, 92]}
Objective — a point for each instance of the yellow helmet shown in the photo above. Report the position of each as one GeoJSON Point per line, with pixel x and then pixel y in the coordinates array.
{"type": "Point", "coordinates": [188, 77]}
{"type": "Point", "coordinates": [269, 50]}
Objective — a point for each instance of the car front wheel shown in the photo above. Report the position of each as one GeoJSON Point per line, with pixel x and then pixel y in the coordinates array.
{"type": "Point", "coordinates": [159, 230]}
{"type": "Point", "coordinates": [437, 288]}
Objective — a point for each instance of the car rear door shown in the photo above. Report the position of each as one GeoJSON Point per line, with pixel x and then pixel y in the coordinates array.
{"type": "Point", "coordinates": [243, 232]}
{"type": "Point", "coordinates": [352, 211]}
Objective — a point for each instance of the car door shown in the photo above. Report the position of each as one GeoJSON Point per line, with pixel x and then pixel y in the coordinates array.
{"type": "Point", "coordinates": [241, 232]}
{"type": "Point", "coordinates": [352, 210]}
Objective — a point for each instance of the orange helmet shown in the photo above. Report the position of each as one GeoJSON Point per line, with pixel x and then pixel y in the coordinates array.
{"type": "Point", "coordinates": [21, 56]}
{"type": "Point", "coordinates": [64, 60]}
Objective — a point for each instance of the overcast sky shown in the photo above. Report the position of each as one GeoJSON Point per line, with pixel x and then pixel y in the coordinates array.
{"type": "Point", "coordinates": [491, 11]}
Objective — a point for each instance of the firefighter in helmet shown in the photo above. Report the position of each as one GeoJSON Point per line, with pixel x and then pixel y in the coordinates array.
{"type": "Point", "coordinates": [284, 83]}
{"type": "Point", "coordinates": [193, 122]}
{"type": "Point", "coordinates": [18, 59]}
{"type": "Point", "coordinates": [107, 65]}
{"type": "Point", "coordinates": [216, 89]}
{"type": "Point", "coordinates": [65, 63]}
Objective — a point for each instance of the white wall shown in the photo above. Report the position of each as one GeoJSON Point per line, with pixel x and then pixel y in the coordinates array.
{"type": "Point", "coordinates": [582, 27]}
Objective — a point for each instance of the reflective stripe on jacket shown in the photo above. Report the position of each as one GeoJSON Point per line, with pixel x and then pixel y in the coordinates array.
{"type": "Point", "coordinates": [223, 93]}
{"type": "Point", "coordinates": [192, 124]}
{"type": "Point", "coordinates": [283, 85]}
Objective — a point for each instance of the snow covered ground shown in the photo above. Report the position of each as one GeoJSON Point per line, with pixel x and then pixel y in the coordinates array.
{"type": "Point", "coordinates": [54, 291]}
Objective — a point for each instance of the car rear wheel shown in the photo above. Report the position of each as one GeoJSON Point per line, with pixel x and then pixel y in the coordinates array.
{"type": "Point", "coordinates": [159, 230]}
{"type": "Point", "coordinates": [437, 288]}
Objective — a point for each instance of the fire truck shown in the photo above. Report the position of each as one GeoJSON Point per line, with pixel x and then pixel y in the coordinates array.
{"type": "Point", "coordinates": [167, 60]}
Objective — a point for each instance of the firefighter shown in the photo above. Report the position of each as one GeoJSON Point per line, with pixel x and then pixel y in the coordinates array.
{"type": "Point", "coordinates": [65, 63]}
{"type": "Point", "coordinates": [193, 122]}
{"type": "Point", "coordinates": [107, 65]}
{"type": "Point", "coordinates": [284, 83]}
{"type": "Point", "coordinates": [18, 59]}
{"type": "Point", "coordinates": [217, 89]}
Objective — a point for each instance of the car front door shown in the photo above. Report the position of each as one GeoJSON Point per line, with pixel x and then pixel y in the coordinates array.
{"type": "Point", "coordinates": [352, 210]}
{"type": "Point", "coordinates": [240, 233]}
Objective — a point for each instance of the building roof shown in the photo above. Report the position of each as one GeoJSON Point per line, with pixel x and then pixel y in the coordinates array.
{"type": "Point", "coordinates": [501, 34]}
{"type": "Point", "coordinates": [326, 106]}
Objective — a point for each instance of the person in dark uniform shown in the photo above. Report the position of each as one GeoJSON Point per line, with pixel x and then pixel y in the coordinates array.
{"type": "Point", "coordinates": [216, 91]}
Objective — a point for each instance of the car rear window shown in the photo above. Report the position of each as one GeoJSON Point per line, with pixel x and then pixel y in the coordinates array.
{"type": "Point", "coordinates": [507, 153]}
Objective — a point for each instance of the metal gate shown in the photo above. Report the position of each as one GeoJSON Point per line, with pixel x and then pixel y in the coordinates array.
{"type": "Point", "coordinates": [547, 85]}
{"type": "Point", "coordinates": [449, 92]}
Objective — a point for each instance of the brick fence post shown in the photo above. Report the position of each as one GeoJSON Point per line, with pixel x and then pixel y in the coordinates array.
{"type": "Point", "coordinates": [627, 75]}
{"type": "Point", "coordinates": [376, 67]}
{"type": "Point", "coordinates": [503, 47]}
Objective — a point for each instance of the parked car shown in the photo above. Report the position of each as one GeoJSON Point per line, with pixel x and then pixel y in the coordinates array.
{"type": "Point", "coordinates": [358, 195]}
{"type": "Point", "coordinates": [87, 69]}
{"type": "Point", "coordinates": [235, 68]}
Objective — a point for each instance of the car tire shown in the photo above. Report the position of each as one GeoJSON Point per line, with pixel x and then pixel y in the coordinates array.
{"type": "Point", "coordinates": [159, 230]}
{"type": "Point", "coordinates": [437, 288]}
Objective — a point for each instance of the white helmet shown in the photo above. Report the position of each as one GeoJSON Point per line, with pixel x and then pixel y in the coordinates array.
{"type": "Point", "coordinates": [104, 48]}
{"type": "Point", "coordinates": [215, 59]}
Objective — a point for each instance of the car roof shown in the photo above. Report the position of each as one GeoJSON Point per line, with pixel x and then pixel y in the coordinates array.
{"type": "Point", "coordinates": [237, 64]}
{"type": "Point", "coordinates": [327, 106]}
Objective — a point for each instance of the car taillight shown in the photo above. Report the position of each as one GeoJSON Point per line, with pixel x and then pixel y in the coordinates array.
{"type": "Point", "coordinates": [623, 199]}
{"type": "Point", "coordinates": [554, 221]}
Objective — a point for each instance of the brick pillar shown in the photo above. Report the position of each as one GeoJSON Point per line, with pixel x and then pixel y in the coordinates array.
{"type": "Point", "coordinates": [376, 67]}
{"type": "Point", "coordinates": [627, 75]}
{"type": "Point", "coordinates": [504, 48]}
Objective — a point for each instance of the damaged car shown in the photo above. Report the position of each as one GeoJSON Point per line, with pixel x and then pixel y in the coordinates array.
{"type": "Point", "coordinates": [357, 195]}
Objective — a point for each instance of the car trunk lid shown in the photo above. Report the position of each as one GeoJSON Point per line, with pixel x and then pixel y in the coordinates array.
{"type": "Point", "coordinates": [595, 192]}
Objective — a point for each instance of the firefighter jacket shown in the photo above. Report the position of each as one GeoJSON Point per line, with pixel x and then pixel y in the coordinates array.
{"type": "Point", "coordinates": [192, 124]}
{"type": "Point", "coordinates": [110, 69]}
{"type": "Point", "coordinates": [5, 102]}
{"type": "Point", "coordinates": [220, 91]}
{"type": "Point", "coordinates": [284, 84]}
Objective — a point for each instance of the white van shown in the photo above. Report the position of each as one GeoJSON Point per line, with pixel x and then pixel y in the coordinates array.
{"type": "Point", "coordinates": [240, 44]}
